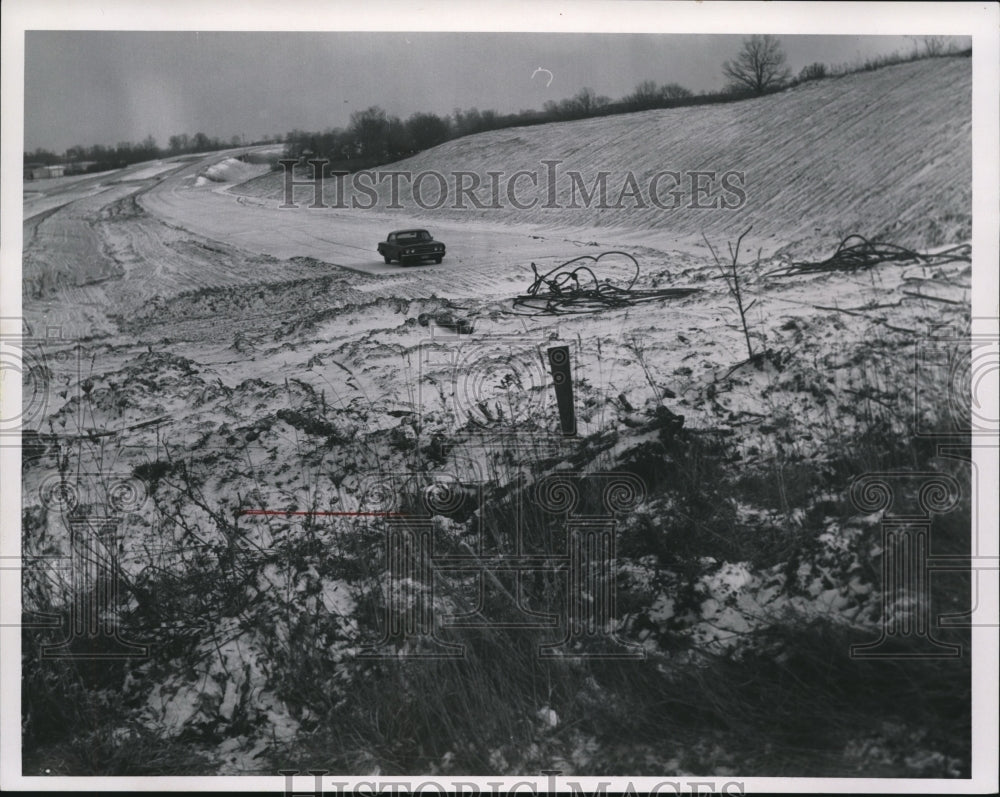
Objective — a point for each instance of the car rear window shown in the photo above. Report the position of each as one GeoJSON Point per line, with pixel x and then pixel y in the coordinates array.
{"type": "Point", "coordinates": [413, 236]}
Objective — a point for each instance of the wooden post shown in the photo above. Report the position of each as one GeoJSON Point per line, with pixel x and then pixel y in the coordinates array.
{"type": "Point", "coordinates": [562, 378]}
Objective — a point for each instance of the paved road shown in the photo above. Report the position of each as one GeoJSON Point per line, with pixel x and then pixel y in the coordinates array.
{"type": "Point", "coordinates": [346, 238]}
{"type": "Point", "coordinates": [101, 245]}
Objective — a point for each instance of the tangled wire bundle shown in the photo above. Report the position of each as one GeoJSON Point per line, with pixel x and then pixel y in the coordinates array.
{"type": "Point", "coordinates": [565, 290]}
{"type": "Point", "coordinates": [863, 253]}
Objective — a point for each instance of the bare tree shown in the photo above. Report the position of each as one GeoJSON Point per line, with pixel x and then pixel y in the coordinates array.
{"type": "Point", "coordinates": [813, 71]}
{"type": "Point", "coordinates": [427, 130]}
{"type": "Point", "coordinates": [369, 130]}
{"type": "Point", "coordinates": [759, 66]}
{"type": "Point", "coordinates": [673, 91]}
{"type": "Point", "coordinates": [934, 46]}
{"type": "Point", "coordinates": [646, 95]}
{"type": "Point", "coordinates": [587, 102]}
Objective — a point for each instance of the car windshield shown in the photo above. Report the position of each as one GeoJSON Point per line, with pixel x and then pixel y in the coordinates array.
{"type": "Point", "coordinates": [413, 235]}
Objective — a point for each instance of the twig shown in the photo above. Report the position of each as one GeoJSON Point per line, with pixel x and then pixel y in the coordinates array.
{"type": "Point", "coordinates": [734, 286]}
{"type": "Point", "coordinates": [881, 321]}
{"type": "Point", "coordinates": [919, 295]}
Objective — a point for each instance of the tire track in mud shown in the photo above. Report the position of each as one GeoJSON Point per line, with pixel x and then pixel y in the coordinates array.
{"type": "Point", "coordinates": [103, 255]}
{"type": "Point", "coordinates": [243, 312]}
{"type": "Point", "coordinates": [63, 247]}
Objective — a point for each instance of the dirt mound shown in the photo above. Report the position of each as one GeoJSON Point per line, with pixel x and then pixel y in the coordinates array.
{"type": "Point", "coordinates": [233, 170]}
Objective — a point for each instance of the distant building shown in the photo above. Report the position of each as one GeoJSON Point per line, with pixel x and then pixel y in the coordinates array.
{"type": "Point", "coordinates": [79, 167]}
{"type": "Point", "coordinates": [39, 171]}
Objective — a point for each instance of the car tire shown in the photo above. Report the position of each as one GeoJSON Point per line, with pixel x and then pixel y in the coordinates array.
{"type": "Point", "coordinates": [437, 260]}
{"type": "Point", "coordinates": [387, 259]}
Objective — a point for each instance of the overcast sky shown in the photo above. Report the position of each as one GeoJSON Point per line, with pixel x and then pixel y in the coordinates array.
{"type": "Point", "coordinates": [102, 87]}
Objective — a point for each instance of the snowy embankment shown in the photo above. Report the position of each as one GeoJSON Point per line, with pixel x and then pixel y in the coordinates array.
{"type": "Point", "coordinates": [883, 153]}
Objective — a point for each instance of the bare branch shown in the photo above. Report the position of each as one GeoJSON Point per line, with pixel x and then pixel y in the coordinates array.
{"type": "Point", "coordinates": [759, 66]}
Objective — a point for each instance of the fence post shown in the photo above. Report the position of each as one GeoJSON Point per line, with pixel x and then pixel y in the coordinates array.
{"type": "Point", "coordinates": [562, 378]}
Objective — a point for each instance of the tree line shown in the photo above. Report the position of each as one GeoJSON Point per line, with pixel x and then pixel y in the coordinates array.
{"type": "Point", "coordinates": [99, 158]}
{"type": "Point", "coordinates": [374, 137]}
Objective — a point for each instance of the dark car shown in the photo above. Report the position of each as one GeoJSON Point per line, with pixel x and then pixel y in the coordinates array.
{"type": "Point", "coordinates": [408, 246]}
